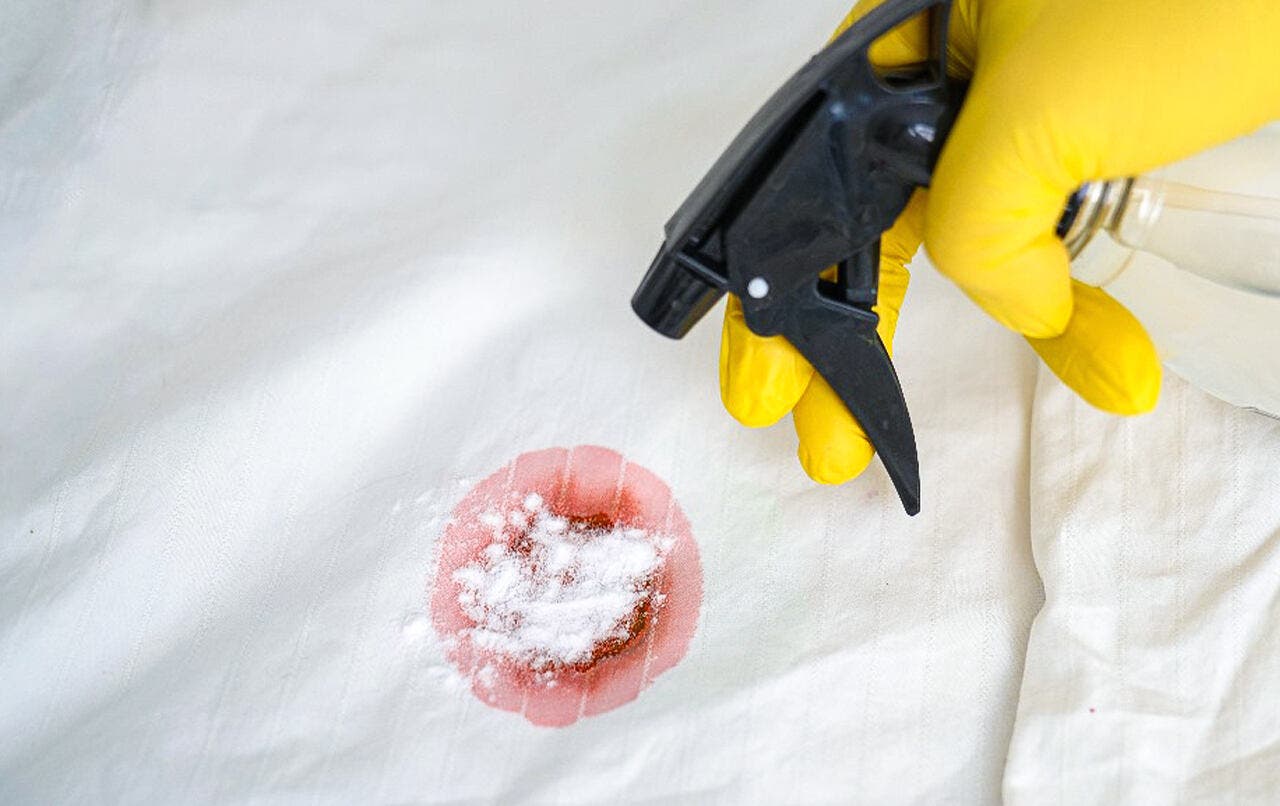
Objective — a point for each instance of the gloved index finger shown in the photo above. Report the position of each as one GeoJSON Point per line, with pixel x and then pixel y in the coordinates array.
{"type": "Point", "coordinates": [761, 377]}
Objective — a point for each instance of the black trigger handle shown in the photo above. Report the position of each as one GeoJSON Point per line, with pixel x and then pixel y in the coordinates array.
{"type": "Point", "coordinates": [838, 336]}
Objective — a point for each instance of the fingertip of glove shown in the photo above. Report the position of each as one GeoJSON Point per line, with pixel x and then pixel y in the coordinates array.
{"type": "Point", "coordinates": [752, 413]}
{"type": "Point", "coordinates": [1144, 400]}
{"type": "Point", "coordinates": [835, 467]}
{"type": "Point", "coordinates": [1105, 355]}
{"type": "Point", "coordinates": [1127, 398]}
{"type": "Point", "coordinates": [756, 402]}
{"type": "Point", "coordinates": [1138, 392]}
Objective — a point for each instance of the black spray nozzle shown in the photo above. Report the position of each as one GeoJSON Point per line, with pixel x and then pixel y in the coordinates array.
{"type": "Point", "coordinates": [676, 292]}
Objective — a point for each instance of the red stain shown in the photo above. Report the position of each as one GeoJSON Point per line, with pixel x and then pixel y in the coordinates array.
{"type": "Point", "coordinates": [1093, 710]}
{"type": "Point", "coordinates": [593, 486]}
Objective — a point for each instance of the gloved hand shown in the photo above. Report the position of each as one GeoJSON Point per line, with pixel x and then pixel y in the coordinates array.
{"type": "Point", "coordinates": [1061, 93]}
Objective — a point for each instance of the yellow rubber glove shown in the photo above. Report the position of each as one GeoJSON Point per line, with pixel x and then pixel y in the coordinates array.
{"type": "Point", "coordinates": [1061, 93]}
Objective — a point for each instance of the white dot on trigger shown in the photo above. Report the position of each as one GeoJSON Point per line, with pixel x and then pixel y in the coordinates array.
{"type": "Point", "coordinates": [758, 288]}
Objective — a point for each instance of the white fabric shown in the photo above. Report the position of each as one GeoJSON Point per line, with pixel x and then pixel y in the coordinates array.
{"type": "Point", "coordinates": [1153, 669]}
{"type": "Point", "coordinates": [281, 281]}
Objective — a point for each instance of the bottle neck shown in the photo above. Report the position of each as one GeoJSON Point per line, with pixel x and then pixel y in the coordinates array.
{"type": "Point", "coordinates": [1095, 206]}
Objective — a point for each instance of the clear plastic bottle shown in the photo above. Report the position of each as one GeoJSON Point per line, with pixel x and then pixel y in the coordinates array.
{"type": "Point", "coordinates": [1193, 250]}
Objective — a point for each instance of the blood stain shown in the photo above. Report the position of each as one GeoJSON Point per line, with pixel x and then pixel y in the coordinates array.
{"type": "Point", "coordinates": [594, 490]}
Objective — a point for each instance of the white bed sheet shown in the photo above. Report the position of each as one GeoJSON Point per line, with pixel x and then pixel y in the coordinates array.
{"type": "Point", "coordinates": [281, 281]}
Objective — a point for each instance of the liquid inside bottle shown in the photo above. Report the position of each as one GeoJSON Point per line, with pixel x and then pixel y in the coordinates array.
{"type": "Point", "coordinates": [1193, 250]}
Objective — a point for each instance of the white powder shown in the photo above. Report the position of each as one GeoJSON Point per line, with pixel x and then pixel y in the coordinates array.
{"type": "Point", "coordinates": [415, 627]}
{"type": "Point", "coordinates": [561, 591]}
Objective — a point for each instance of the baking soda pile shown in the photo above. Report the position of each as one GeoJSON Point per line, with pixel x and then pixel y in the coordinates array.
{"type": "Point", "coordinates": [549, 592]}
